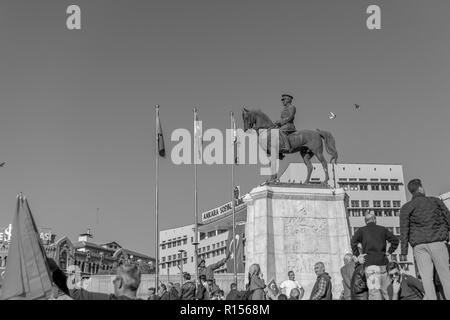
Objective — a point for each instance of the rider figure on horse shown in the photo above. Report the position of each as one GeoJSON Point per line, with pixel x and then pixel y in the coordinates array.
{"type": "Point", "coordinates": [286, 123]}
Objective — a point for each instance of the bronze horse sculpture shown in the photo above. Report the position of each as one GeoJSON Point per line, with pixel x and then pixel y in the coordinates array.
{"type": "Point", "coordinates": [307, 142]}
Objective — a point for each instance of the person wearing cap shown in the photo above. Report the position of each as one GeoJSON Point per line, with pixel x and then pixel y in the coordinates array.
{"type": "Point", "coordinates": [208, 271]}
{"type": "Point", "coordinates": [188, 288]}
{"type": "Point", "coordinates": [373, 239]}
{"type": "Point", "coordinates": [286, 123]}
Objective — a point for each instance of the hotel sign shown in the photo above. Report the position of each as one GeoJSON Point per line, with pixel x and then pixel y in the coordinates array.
{"type": "Point", "coordinates": [222, 210]}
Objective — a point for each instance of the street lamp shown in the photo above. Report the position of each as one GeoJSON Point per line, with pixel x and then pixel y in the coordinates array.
{"type": "Point", "coordinates": [180, 265]}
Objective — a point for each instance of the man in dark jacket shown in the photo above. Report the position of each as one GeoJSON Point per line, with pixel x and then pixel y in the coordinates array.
{"type": "Point", "coordinates": [322, 289]}
{"type": "Point", "coordinates": [373, 240]}
{"type": "Point", "coordinates": [425, 224]}
{"type": "Point", "coordinates": [347, 274]}
{"type": "Point", "coordinates": [173, 292]}
{"type": "Point", "coordinates": [359, 290]}
{"type": "Point", "coordinates": [403, 286]}
{"type": "Point", "coordinates": [202, 291]}
{"type": "Point", "coordinates": [188, 288]}
{"type": "Point", "coordinates": [234, 294]}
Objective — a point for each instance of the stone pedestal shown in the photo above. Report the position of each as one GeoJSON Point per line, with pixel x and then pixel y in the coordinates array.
{"type": "Point", "coordinates": [292, 228]}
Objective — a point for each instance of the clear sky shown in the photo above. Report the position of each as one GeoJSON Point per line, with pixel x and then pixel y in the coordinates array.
{"type": "Point", "coordinates": [77, 107]}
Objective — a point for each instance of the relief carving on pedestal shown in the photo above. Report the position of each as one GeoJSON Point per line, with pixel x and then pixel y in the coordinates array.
{"type": "Point", "coordinates": [303, 234]}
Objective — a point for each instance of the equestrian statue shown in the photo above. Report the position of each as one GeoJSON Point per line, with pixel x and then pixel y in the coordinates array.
{"type": "Point", "coordinates": [307, 142]}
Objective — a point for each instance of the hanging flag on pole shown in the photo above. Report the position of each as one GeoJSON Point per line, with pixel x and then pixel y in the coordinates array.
{"type": "Point", "coordinates": [160, 137]}
{"type": "Point", "coordinates": [198, 138]}
{"type": "Point", "coordinates": [234, 139]}
{"type": "Point", "coordinates": [27, 275]}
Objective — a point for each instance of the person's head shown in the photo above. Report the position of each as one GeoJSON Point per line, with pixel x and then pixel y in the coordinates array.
{"type": "Point", "coordinates": [127, 280]}
{"type": "Point", "coordinates": [210, 282]}
{"type": "Point", "coordinates": [202, 264]}
{"type": "Point", "coordinates": [393, 271]}
{"type": "Point", "coordinates": [233, 286]}
{"type": "Point", "coordinates": [221, 294]}
{"type": "Point", "coordinates": [370, 217]}
{"type": "Point", "coordinates": [319, 268]}
{"type": "Point", "coordinates": [282, 297]}
{"type": "Point", "coordinates": [286, 99]}
{"type": "Point", "coordinates": [202, 279]}
{"type": "Point", "coordinates": [254, 270]}
{"type": "Point", "coordinates": [186, 276]}
{"type": "Point", "coordinates": [291, 275]}
{"type": "Point", "coordinates": [415, 186]}
{"type": "Point", "coordinates": [59, 278]}
{"type": "Point", "coordinates": [348, 258]}
{"type": "Point", "coordinates": [163, 287]}
{"type": "Point", "coordinates": [170, 285]}
{"type": "Point", "coordinates": [151, 291]}
{"type": "Point", "coordinates": [295, 294]}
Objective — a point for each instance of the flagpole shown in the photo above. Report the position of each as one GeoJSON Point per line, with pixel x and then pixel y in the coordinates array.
{"type": "Point", "coordinates": [157, 199]}
{"type": "Point", "coordinates": [195, 204]}
{"type": "Point", "coordinates": [232, 199]}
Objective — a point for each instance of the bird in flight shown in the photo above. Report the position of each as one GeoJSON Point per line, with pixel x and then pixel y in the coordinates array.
{"type": "Point", "coordinates": [357, 106]}
{"type": "Point", "coordinates": [332, 115]}
{"type": "Point", "coordinates": [2, 164]}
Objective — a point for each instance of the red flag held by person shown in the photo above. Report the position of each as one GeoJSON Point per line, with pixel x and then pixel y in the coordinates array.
{"type": "Point", "coordinates": [27, 274]}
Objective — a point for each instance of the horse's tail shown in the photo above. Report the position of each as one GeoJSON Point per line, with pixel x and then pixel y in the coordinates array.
{"type": "Point", "coordinates": [330, 144]}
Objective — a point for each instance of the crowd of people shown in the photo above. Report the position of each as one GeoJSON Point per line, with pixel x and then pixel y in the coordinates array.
{"type": "Point", "coordinates": [369, 271]}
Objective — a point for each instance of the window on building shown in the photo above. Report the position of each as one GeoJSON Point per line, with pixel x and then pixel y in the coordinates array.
{"type": "Point", "coordinates": [363, 187]}
{"type": "Point", "coordinates": [179, 243]}
{"type": "Point", "coordinates": [163, 266]}
{"type": "Point", "coordinates": [185, 254]}
{"type": "Point", "coordinates": [376, 204]}
{"type": "Point", "coordinates": [395, 187]}
{"type": "Point", "coordinates": [386, 203]}
{"type": "Point", "coordinates": [213, 253]}
{"type": "Point", "coordinates": [174, 257]}
{"type": "Point", "coordinates": [169, 258]}
{"type": "Point", "coordinates": [179, 256]}
{"type": "Point", "coordinates": [163, 247]}
{"type": "Point", "coordinates": [353, 187]}
{"type": "Point", "coordinates": [365, 203]}
{"type": "Point", "coordinates": [388, 213]}
{"type": "Point", "coordinates": [396, 212]}
{"type": "Point", "coordinates": [208, 248]}
{"type": "Point", "coordinates": [385, 187]}
{"type": "Point", "coordinates": [207, 255]}
{"type": "Point", "coordinates": [184, 261]}
{"type": "Point", "coordinates": [403, 259]}
{"type": "Point", "coordinates": [375, 187]}
{"type": "Point", "coordinates": [192, 239]}
{"type": "Point", "coordinates": [192, 259]}
{"type": "Point", "coordinates": [355, 203]}
{"type": "Point", "coordinates": [355, 213]}
{"type": "Point", "coordinates": [169, 245]}
{"type": "Point", "coordinates": [163, 259]}
{"type": "Point", "coordinates": [344, 186]}
{"type": "Point", "coordinates": [378, 212]}
{"type": "Point", "coordinates": [214, 246]}
{"type": "Point", "coordinates": [202, 235]}
{"type": "Point", "coordinates": [396, 204]}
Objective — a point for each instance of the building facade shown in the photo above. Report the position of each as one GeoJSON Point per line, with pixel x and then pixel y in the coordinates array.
{"type": "Point", "coordinates": [177, 246]}
{"type": "Point", "coordinates": [89, 257]}
{"type": "Point", "coordinates": [377, 188]}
